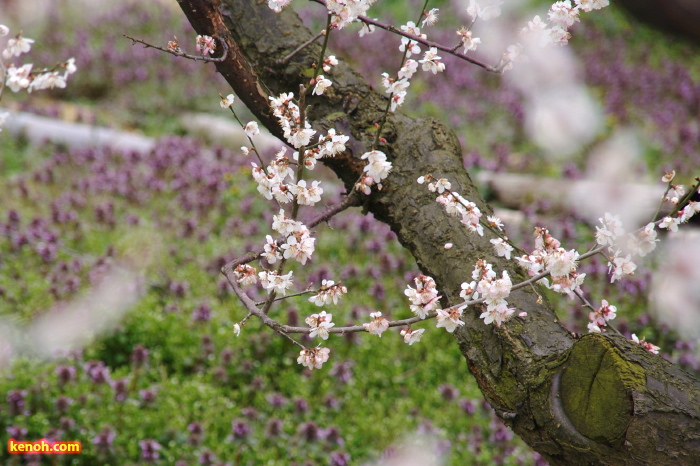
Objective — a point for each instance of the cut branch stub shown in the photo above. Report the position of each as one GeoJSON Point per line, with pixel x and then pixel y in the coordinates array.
{"type": "Point", "coordinates": [596, 390]}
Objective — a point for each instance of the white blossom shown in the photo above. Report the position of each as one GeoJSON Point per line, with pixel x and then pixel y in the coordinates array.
{"type": "Point", "coordinates": [313, 358]}
{"type": "Point", "coordinates": [251, 129]}
{"type": "Point", "coordinates": [431, 61]}
{"type": "Point", "coordinates": [16, 47]}
{"type": "Point", "coordinates": [377, 167]}
{"type": "Point", "coordinates": [621, 267]}
{"type": "Point", "coordinates": [330, 292]}
{"type": "Point", "coordinates": [469, 291]}
{"type": "Point", "coordinates": [285, 225]}
{"type": "Point", "coordinates": [206, 45]}
{"type": "Point", "coordinates": [409, 46]}
{"type": "Point", "coordinates": [561, 262]}
{"type": "Point", "coordinates": [424, 298]}
{"type": "Point", "coordinates": [408, 69]}
{"type": "Point", "coordinates": [378, 325]}
{"type": "Point", "coordinates": [497, 313]}
{"type": "Point", "coordinates": [245, 274]}
{"type": "Point", "coordinates": [605, 313]}
{"type": "Point", "coordinates": [329, 62]}
{"type": "Point", "coordinates": [669, 223]}
{"type": "Point", "coordinates": [331, 144]}
{"type": "Point", "coordinates": [48, 80]}
{"type": "Point", "coordinates": [346, 11]}
{"type": "Point", "coordinates": [611, 230]}
{"type": "Point", "coordinates": [468, 41]}
{"type": "Point", "coordinates": [449, 319]}
{"type": "Point", "coordinates": [562, 14]}
{"type": "Point", "coordinates": [645, 344]}
{"type": "Point", "coordinates": [227, 101]}
{"type": "Point", "coordinates": [271, 253]}
{"type": "Point", "coordinates": [19, 78]}
{"type": "Point", "coordinates": [431, 17]}
{"type": "Point", "coordinates": [645, 241]}
{"type": "Point", "coordinates": [503, 249]}
{"type": "Point", "coordinates": [491, 10]}
{"type": "Point", "coordinates": [307, 196]}
{"type": "Point", "coordinates": [278, 5]}
{"type": "Point", "coordinates": [589, 5]}
{"type": "Point", "coordinates": [277, 283]}
{"type": "Point", "coordinates": [412, 336]}
{"type": "Point", "coordinates": [299, 246]}
{"type": "Point", "coordinates": [322, 84]}
{"type": "Point", "coordinates": [320, 323]}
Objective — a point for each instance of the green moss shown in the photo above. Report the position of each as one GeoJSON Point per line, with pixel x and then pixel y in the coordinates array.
{"type": "Point", "coordinates": [596, 387]}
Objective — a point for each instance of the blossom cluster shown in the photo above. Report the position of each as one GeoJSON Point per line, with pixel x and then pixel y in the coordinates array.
{"type": "Point", "coordinates": [287, 112]}
{"type": "Point", "coordinates": [397, 88]}
{"type": "Point", "coordinates": [330, 292]}
{"type": "Point", "coordinates": [272, 281]}
{"type": "Point", "coordinates": [205, 45]}
{"type": "Point", "coordinates": [493, 291]}
{"type": "Point", "coordinates": [24, 77]}
{"type": "Point", "coordinates": [549, 256]}
{"type": "Point", "coordinates": [600, 317]}
{"type": "Point", "coordinates": [561, 16]}
{"type": "Point", "coordinates": [280, 181]}
{"type": "Point", "coordinates": [450, 319]}
{"type": "Point", "coordinates": [320, 324]}
{"type": "Point", "coordinates": [675, 195]}
{"type": "Point", "coordinates": [644, 241]}
{"type": "Point", "coordinates": [458, 206]}
{"type": "Point", "coordinates": [424, 298]}
{"type": "Point", "coordinates": [378, 325]}
{"type": "Point", "coordinates": [346, 11]}
{"type": "Point", "coordinates": [645, 344]}
{"type": "Point", "coordinates": [412, 336]}
{"type": "Point", "coordinates": [313, 358]}
{"type": "Point", "coordinates": [299, 244]}
{"type": "Point", "coordinates": [641, 244]}
{"type": "Point", "coordinates": [377, 169]}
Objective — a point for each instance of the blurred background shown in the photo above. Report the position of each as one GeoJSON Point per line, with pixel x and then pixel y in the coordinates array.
{"type": "Point", "coordinates": [125, 193]}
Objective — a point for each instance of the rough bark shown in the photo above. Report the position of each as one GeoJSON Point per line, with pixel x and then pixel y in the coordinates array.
{"type": "Point", "coordinates": [592, 400]}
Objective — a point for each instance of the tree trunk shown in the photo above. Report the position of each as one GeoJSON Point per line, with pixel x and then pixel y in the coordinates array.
{"type": "Point", "coordinates": [591, 400]}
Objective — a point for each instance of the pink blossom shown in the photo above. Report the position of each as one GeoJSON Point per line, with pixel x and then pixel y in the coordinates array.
{"type": "Point", "coordinates": [206, 45]}
{"type": "Point", "coordinates": [313, 358]}
{"type": "Point", "coordinates": [378, 325]}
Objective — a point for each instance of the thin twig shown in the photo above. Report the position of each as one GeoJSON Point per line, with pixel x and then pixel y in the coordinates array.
{"type": "Point", "coordinates": [284, 60]}
{"type": "Point", "coordinates": [252, 308]}
{"type": "Point", "coordinates": [181, 53]}
{"type": "Point", "coordinates": [444, 48]}
{"type": "Point", "coordinates": [288, 296]}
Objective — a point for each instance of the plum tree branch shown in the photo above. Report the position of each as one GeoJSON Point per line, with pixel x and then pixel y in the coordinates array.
{"type": "Point", "coordinates": [592, 400]}
{"type": "Point", "coordinates": [451, 50]}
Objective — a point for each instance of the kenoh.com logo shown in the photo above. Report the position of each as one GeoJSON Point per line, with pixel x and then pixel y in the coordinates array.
{"type": "Point", "coordinates": [43, 447]}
